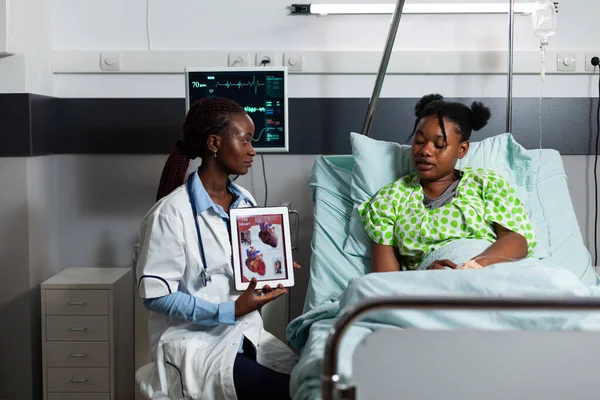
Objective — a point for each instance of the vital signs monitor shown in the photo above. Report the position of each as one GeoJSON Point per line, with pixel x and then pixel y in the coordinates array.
{"type": "Point", "coordinates": [262, 91]}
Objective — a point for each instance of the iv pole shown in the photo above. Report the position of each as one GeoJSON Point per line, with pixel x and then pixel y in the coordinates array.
{"type": "Point", "coordinates": [511, 48]}
{"type": "Point", "coordinates": [388, 52]}
{"type": "Point", "coordinates": [383, 67]}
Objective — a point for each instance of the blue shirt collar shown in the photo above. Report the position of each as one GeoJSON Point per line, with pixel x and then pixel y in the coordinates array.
{"type": "Point", "coordinates": [202, 200]}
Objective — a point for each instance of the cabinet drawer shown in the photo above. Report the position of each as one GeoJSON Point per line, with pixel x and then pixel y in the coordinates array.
{"type": "Point", "coordinates": [76, 302]}
{"type": "Point", "coordinates": [78, 396]}
{"type": "Point", "coordinates": [82, 380]}
{"type": "Point", "coordinates": [77, 328]}
{"type": "Point", "coordinates": [76, 354]}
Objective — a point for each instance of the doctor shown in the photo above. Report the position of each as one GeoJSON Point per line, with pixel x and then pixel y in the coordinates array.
{"type": "Point", "coordinates": [207, 340]}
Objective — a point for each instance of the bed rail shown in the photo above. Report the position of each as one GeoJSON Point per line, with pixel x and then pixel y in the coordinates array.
{"type": "Point", "coordinates": [331, 388]}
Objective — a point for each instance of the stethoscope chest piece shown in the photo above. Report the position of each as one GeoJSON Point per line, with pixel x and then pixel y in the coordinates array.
{"type": "Point", "coordinates": [205, 277]}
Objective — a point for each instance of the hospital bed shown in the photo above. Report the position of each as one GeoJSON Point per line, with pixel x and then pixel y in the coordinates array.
{"type": "Point", "coordinates": [531, 329]}
{"type": "Point", "coordinates": [520, 354]}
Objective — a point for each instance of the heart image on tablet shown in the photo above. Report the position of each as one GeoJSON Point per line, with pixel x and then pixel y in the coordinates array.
{"type": "Point", "coordinates": [267, 234]}
{"type": "Point", "coordinates": [255, 262]}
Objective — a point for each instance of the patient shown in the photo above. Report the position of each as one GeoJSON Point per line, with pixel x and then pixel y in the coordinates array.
{"type": "Point", "coordinates": [438, 204]}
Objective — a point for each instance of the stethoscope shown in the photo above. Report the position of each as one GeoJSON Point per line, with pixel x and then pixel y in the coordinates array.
{"type": "Point", "coordinates": [204, 275]}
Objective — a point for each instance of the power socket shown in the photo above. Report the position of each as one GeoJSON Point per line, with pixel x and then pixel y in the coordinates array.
{"type": "Point", "coordinates": [238, 59]}
{"type": "Point", "coordinates": [588, 61]}
{"type": "Point", "coordinates": [293, 61]}
{"type": "Point", "coordinates": [110, 62]}
{"type": "Point", "coordinates": [566, 62]}
{"type": "Point", "coordinates": [265, 56]}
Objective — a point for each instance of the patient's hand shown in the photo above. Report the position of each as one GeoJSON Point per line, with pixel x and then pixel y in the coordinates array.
{"type": "Point", "coordinates": [442, 264]}
{"type": "Point", "coordinates": [471, 264]}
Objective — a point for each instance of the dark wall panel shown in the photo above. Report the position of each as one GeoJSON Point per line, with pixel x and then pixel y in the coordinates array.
{"type": "Point", "coordinates": [117, 126]}
{"type": "Point", "coordinates": [45, 125]}
{"type": "Point", "coordinates": [36, 125]}
{"type": "Point", "coordinates": [14, 125]}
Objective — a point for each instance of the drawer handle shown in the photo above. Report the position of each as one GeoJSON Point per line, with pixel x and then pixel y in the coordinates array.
{"type": "Point", "coordinates": [75, 329]}
{"type": "Point", "coordinates": [75, 355]}
{"type": "Point", "coordinates": [78, 380]}
{"type": "Point", "coordinates": [77, 303]}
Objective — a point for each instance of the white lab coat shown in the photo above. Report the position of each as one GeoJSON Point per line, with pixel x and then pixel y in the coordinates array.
{"type": "Point", "coordinates": [192, 361]}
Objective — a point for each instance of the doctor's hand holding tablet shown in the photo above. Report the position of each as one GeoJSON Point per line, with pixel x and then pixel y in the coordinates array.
{"type": "Point", "coordinates": [253, 299]}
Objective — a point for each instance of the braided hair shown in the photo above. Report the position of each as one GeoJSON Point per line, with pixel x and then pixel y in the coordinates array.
{"type": "Point", "coordinates": [206, 117]}
{"type": "Point", "coordinates": [467, 119]}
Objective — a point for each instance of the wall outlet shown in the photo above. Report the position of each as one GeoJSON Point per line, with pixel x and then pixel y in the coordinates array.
{"type": "Point", "coordinates": [265, 56]}
{"type": "Point", "coordinates": [293, 61]}
{"type": "Point", "coordinates": [110, 62]}
{"type": "Point", "coordinates": [238, 59]}
{"type": "Point", "coordinates": [588, 61]}
{"type": "Point", "coordinates": [566, 62]}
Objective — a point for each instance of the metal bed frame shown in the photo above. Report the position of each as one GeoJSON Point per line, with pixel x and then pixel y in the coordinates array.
{"type": "Point", "coordinates": [332, 388]}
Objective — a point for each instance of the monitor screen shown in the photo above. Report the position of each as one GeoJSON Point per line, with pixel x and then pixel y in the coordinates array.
{"type": "Point", "coordinates": [262, 91]}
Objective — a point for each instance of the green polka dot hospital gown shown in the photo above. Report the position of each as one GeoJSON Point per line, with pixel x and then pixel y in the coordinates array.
{"type": "Point", "coordinates": [397, 216]}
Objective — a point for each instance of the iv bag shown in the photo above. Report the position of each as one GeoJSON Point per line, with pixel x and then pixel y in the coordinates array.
{"type": "Point", "coordinates": [543, 18]}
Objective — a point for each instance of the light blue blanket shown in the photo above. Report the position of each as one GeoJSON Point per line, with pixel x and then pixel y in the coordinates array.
{"type": "Point", "coordinates": [524, 278]}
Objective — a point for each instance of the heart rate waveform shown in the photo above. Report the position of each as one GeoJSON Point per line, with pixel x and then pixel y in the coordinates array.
{"type": "Point", "coordinates": [256, 139]}
{"type": "Point", "coordinates": [254, 84]}
{"type": "Point", "coordinates": [252, 110]}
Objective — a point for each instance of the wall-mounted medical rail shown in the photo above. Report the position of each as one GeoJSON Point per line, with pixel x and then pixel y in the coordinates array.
{"type": "Point", "coordinates": [331, 388]}
{"type": "Point", "coordinates": [387, 52]}
{"type": "Point", "coordinates": [460, 7]}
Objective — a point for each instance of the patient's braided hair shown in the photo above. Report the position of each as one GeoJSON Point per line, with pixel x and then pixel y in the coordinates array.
{"type": "Point", "coordinates": [467, 119]}
{"type": "Point", "coordinates": [205, 117]}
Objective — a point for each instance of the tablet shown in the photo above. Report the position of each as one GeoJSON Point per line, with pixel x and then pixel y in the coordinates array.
{"type": "Point", "coordinates": [262, 249]}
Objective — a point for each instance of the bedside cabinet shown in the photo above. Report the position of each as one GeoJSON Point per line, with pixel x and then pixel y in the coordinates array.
{"type": "Point", "coordinates": [87, 334]}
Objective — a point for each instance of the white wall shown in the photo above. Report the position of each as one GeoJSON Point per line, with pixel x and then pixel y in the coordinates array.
{"type": "Point", "coordinates": [29, 71]}
{"type": "Point", "coordinates": [231, 24]}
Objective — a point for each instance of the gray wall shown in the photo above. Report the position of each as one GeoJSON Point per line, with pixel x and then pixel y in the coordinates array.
{"type": "Point", "coordinates": [17, 307]}
{"type": "Point", "coordinates": [580, 172]}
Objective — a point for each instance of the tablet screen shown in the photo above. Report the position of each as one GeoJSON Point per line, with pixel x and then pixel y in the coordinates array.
{"type": "Point", "coordinates": [262, 247]}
